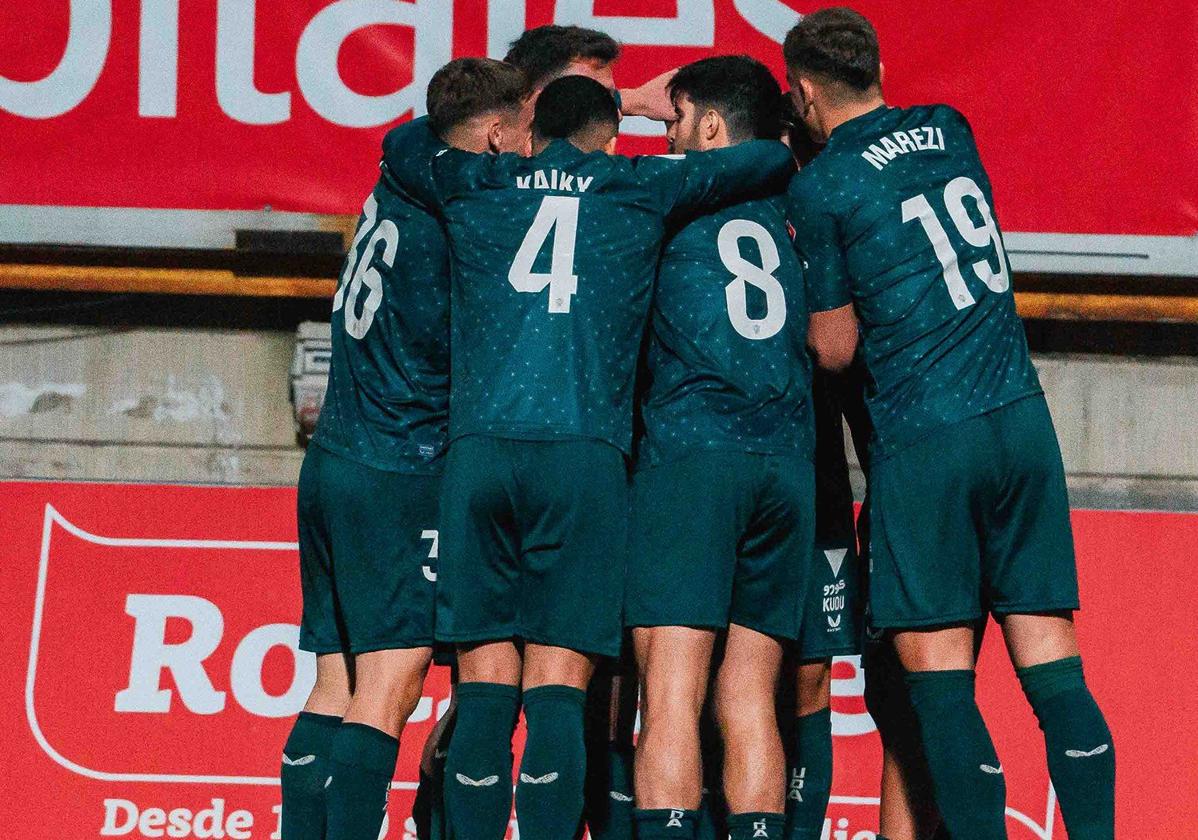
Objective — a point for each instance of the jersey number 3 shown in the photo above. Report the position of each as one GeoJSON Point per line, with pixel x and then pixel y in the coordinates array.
{"type": "Point", "coordinates": [987, 233]}
{"type": "Point", "coordinates": [360, 271]}
{"type": "Point", "coordinates": [558, 214]}
{"type": "Point", "coordinates": [747, 274]}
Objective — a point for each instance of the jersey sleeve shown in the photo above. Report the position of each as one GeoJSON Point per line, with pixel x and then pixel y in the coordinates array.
{"type": "Point", "coordinates": [413, 157]}
{"type": "Point", "coordinates": [703, 181]}
{"type": "Point", "coordinates": [818, 243]}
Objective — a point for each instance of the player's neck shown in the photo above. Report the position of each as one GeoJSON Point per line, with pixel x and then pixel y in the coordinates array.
{"type": "Point", "coordinates": [834, 117]}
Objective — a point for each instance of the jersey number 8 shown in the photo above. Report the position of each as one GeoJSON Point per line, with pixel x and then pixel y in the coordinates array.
{"type": "Point", "coordinates": [747, 274]}
{"type": "Point", "coordinates": [918, 207]}
{"type": "Point", "coordinates": [360, 271]}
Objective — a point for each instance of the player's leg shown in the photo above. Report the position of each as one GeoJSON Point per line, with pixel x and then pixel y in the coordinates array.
{"type": "Point", "coordinates": [306, 752]}
{"type": "Point", "coordinates": [754, 764]}
{"type": "Point", "coordinates": [687, 517]}
{"type": "Point", "coordinates": [809, 770]}
{"type": "Point", "coordinates": [611, 717]}
{"type": "Point", "coordinates": [906, 810]}
{"type": "Point", "coordinates": [926, 584]}
{"type": "Point", "coordinates": [428, 809]}
{"type": "Point", "coordinates": [549, 792]}
{"type": "Point", "coordinates": [831, 627]}
{"type": "Point", "coordinates": [673, 663]}
{"type": "Point", "coordinates": [572, 535]}
{"type": "Point", "coordinates": [769, 599]}
{"type": "Point", "coordinates": [383, 528]}
{"type": "Point", "coordinates": [477, 597]}
{"type": "Point", "coordinates": [1031, 569]}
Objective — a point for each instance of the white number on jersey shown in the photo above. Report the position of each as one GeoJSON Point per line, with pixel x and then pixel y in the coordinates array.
{"type": "Point", "coordinates": [760, 276]}
{"type": "Point", "coordinates": [360, 271]}
{"type": "Point", "coordinates": [920, 208]}
{"type": "Point", "coordinates": [558, 214]}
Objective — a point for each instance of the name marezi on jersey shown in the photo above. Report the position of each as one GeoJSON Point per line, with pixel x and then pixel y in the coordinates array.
{"type": "Point", "coordinates": [922, 139]}
{"type": "Point", "coordinates": [554, 180]}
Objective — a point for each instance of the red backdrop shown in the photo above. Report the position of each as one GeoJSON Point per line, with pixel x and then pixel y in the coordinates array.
{"type": "Point", "coordinates": [103, 584]}
{"type": "Point", "coordinates": [1085, 112]}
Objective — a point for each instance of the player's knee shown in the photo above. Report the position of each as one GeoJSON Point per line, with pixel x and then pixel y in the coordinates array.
{"type": "Point", "coordinates": [815, 687]}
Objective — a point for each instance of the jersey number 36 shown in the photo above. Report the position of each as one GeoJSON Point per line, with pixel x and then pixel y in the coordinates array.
{"type": "Point", "coordinates": [360, 271]}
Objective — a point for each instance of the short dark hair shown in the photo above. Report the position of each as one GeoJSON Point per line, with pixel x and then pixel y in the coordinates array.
{"type": "Point", "coordinates": [741, 89]}
{"type": "Point", "coordinates": [836, 45]}
{"type": "Point", "coordinates": [572, 105]}
{"type": "Point", "coordinates": [467, 87]}
{"type": "Point", "coordinates": [543, 53]}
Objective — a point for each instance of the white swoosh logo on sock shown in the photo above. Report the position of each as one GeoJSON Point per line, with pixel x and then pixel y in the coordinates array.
{"type": "Point", "coordinates": [328, 781]}
{"type": "Point", "coordinates": [1099, 750]}
{"type": "Point", "coordinates": [548, 778]}
{"type": "Point", "coordinates": [298, 762]}
{"type": "Point", "coordinates": [620, 797]}
{"type": "Point", "coordinates": [994, 771]}
{"type": "Point", "coordinates": [484, 782]}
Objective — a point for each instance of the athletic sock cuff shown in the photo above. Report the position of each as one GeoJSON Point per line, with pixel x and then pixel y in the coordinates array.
{"type": "Point", "coordinates": [312, 733]}
{"type": "Point", "coordinates": [545, 693]}
{"type": "Point", "coordinates": [815, 718]}
{"type": "Point", "coordinates": [665, 823]}
{"type": "Point", "coordinates": [487, 691]}
{"type": "Point", "coordinates": [1040, 682]}
{"type": "Point", "coordinates": [934, 689]}
{"type": "Point", "coordinates": [944, 679]}
{"type": "Point", "coordinates": [360, 745]}
{"type": "Point", "coordinates": [749, 817]}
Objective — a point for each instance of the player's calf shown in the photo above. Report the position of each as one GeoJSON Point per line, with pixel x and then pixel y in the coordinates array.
{"type": "Point", "coordinates": [809, 767]}
{"type": "Point", "coordinates": [673, 664]}
{"type": "Point", "coordinates": [1081, 752]}
{"type": "Point", "coordinates": [387, 687]}
{"type": "Point", "coordinates": [754, 764]}
{"type": "Point", "coordinates": [306, 753]}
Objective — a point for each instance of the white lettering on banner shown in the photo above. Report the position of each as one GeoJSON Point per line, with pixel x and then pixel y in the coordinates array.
{"type": "Point", "coordinates": [245, 674]}
{"type": "Point", "coordinates": [185, 660]}
{"type": "Point", "coordinates": [151, 655]}
{"type": "Point", "coordinates": [771, 18]}
{"type": "Point", "coordinates": [122, 818]}
{"type": "Point", "coordinates": [316, 58]}
{"type": "Point", "coordinates": [158, 59]}
{"type": "Point", "coordinates": [236, 92]}
{"type": "Point", "coordinates": [68, 84]}
{"type": "Point", "coordinates": [692, 26]}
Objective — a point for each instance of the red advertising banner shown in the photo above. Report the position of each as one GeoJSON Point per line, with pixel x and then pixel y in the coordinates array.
{"type": "Point", "coordinates": [155, 630]}
{"type": "Point", "coordinates": [237, 105]}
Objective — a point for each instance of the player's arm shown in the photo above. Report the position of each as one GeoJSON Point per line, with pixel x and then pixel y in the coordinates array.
{"type": "Point", "coordinates": [411, 154]}
{"type": "Point", "coordinates": [705, 181]}
{"type": "Point", "coordinates": [832, 330]}
{"type": "Point", "coordinates": [651, 100]}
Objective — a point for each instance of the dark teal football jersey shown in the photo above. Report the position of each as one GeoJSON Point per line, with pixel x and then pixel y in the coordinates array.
{"type": "Point", "coordinates": [387, 402]}
{"type": "Point", "coordinates": [727, 364]}
{"type": "Point", "coordinates": [896, 216]}
{"type": "Point", "coordinates": [554, 259]}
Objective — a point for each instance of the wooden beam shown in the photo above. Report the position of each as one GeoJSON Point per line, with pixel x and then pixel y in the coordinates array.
{"type": "Point", "coordinates": [162, 281]}
{"type": "Point", "coordinates": [1056, 306]}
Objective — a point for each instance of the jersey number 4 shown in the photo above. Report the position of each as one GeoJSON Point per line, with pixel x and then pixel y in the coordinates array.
{"type": "Point", "coordinates": [978, 236]}
{"type": "Point", "coordinates": [558, 214]}
{"type": "Point", "coordinates": [360, 271]}
{"type": "Point", "coordinates": [747, 274]}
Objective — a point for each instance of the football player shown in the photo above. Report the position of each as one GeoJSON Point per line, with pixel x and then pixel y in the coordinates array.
{"type": "Point", "coordinates": [554, 260]}
{"type": "Point", "coordinates": [723, 495]}
{"type": "Point", "coordinates": [969, 514]}
{"type": "Point", "coordinates": [370, 481]}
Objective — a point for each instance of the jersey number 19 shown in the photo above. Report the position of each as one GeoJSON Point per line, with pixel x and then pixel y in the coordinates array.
{"type": "Point", "coordinates": [918, 207]}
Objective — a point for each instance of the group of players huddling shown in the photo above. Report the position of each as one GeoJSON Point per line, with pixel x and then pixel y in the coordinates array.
{"type": "Point", "coordinates": [571, 411]}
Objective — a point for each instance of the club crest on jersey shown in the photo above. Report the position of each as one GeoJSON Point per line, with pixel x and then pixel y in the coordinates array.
{"type": "Point", "coordinates": [553, 180]}
{"type": "Point", "coordinates": [922, 139]}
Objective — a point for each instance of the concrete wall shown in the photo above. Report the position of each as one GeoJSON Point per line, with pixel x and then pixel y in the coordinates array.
{"type": "Point", "coordinates": [210, 406]}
